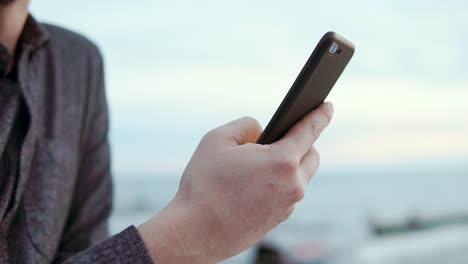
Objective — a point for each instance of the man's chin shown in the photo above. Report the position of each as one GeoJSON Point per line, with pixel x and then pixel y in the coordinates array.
{"type": "Point", "coordinates": [6, 2]}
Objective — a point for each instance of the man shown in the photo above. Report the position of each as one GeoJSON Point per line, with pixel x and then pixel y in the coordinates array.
{"type": "Point", "coordinates": [55, 184]}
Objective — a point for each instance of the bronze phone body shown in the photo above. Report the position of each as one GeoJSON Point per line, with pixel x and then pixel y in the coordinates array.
{"type": "Point", "coordinates": [312, 86]}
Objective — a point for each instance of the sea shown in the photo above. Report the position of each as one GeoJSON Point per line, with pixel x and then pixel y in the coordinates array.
{"type": "Point", "coordinates": [332, 223]}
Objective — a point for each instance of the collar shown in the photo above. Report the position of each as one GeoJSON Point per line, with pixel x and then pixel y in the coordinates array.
{"type": "Point", "coordinates": [34, 35]}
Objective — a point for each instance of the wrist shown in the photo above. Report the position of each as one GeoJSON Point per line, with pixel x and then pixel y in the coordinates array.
{"type": "Point", "coordinates": [174, 236]}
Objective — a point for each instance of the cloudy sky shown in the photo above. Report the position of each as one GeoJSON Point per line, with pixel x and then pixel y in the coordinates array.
{"type": "Point", "coordinates": [176, 69]}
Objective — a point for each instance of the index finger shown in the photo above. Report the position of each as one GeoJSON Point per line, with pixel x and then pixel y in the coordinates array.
{"type": "Point", "coordinates": [304, 133]}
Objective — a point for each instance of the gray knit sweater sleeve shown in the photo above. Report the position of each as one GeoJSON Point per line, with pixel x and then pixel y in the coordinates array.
{"type": "Point", "coordinates": [125, 247]}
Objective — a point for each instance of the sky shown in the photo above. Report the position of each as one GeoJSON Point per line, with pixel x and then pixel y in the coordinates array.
{"type": "Point", "coordinates": [176, 69]}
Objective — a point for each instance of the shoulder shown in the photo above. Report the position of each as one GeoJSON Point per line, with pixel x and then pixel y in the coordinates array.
{"type": "Point", "coordinates": [74, 48]}
{"type": "Point", "coordinates": [76, 65]}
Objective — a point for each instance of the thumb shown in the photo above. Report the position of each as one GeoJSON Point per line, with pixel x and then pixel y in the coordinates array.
{"type": "Point", "coordinates": [241, 131]}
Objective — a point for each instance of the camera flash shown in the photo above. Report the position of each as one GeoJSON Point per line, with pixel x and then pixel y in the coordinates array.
{"type": "Point", "coordinates": [334, 49]}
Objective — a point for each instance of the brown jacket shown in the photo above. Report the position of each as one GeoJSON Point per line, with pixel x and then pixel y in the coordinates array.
{"type": "Point", "coordinates": [62, 196]}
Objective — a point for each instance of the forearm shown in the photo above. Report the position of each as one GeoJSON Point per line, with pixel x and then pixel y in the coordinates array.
{"type": "Point", "coordinates": [176, 236]}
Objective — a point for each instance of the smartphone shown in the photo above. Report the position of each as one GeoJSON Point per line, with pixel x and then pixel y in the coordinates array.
{"type": "Point", "coordinates": [312, 86]}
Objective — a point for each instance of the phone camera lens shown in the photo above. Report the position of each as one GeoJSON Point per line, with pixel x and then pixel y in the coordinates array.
{"type": "Point", "coordinates": [334, 49]}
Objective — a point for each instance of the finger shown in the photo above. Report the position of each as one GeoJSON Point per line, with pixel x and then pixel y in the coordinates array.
{"type": "Point", "coordinates": [302, 135]}
{"type": "Point", "coordinates": [309, 164]}
{"type": "Point", "coordinates": [241, 131]}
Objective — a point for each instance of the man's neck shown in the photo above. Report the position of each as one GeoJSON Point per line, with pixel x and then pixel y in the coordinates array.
{"type": "Point", "coordinates": [12, 19]}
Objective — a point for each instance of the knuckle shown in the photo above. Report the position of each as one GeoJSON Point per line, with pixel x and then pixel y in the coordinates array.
{"type": "Point", "coordinates": [211, 134]}
{"type": "Point", "coordinates": [297, 194]}
{"type": "Point", "coordinates": [251, 122]}
{"type": "Point", "coordinates": [289, 165]}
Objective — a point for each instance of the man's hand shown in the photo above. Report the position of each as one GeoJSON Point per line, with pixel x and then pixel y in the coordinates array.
{"type": "Point", "coordinates": [233, 191]}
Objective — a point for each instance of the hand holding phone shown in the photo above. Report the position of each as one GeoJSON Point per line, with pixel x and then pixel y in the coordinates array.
{"type": "Point", "coordinates": [312, 86]}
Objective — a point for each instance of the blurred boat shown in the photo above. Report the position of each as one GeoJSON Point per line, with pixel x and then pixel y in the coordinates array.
{"type": "Point", "coordinates": [386, 226]}
{"type": "Point", "coordinates": [440, 238]}
{"type": "Point", "coordinates": [448, 244]}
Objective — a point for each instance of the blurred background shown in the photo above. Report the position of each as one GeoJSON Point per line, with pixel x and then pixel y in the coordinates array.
{"type": "Point", "coordinates": [393, 185]}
